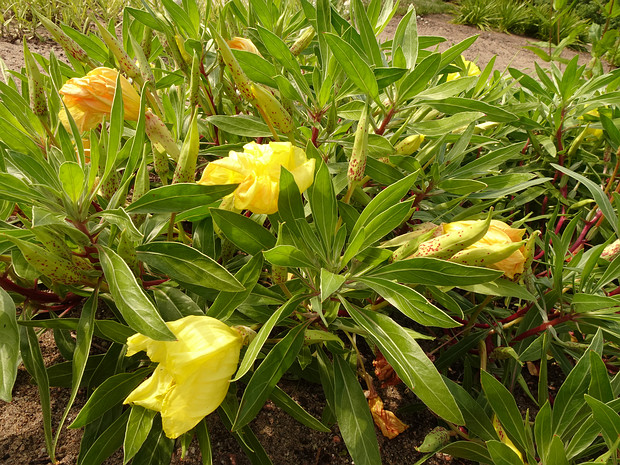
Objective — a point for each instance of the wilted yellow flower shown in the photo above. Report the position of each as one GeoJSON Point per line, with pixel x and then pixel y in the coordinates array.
{"type": "Point", "coordinates": [241, 43]}
{"type": "Point", "coordinates": [499, 234]}
{"type": "Point", "coordinates": [193, 374]}
{"type": "Point", "coordinates": [257, 171]}
{"type": "Point", "coordinates": [389, 424]}
{"type": "Point", "coordinates": [472, 70]}
{"type": "Point", "coordinates": [594, 133]}
{"type": "Point", "coordinates": [89, 98]}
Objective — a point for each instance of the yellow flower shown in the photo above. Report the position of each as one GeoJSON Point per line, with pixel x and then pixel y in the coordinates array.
{"type": "Point", "coordinates": [472, 70]}
{"type": "Point", "coordinates": [257, 171]}
{"type": "Point", "coordinates": [89, 98]}
{"type": "Point", "coordinates": [594, 133]}
{"type": "Point", "coordinates": [499, 234]}
{"type": "Point", "coordinates": [193, 374]}
{"type": "Point", "coordinates": [241, 43]}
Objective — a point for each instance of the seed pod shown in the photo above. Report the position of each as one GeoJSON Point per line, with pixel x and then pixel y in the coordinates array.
{"type": "Point", "coordinates": [110, 185]}
{"type": "Point", "coordinates": [124, 60]}
{"type": "Point", "coordinates": [160, 163]}
{"type": "Point", "coordinates": [48, 264]}
{"type": "Point", "coordinates": [159, 134]}
{"type": "Point", "coordinates": [611, 251]}
{"type": "Point", "coordinates": [529, 250]}
{"type": "Point", "coordinates": [303, 41]}
{"type": "Point", "coordinates": [173, 49]}
{"type": "Point", "coordinates": [127, 251]}
{"type": "Point", "coordinates": [241, 80]}
{"type": "Point", "coordinates": [186, 167]}
{"type": "Point", "coordinates": [446, 245]}
{"type": "Point", "coordinates": [409, 144]}
{"type": "Point", "coordinates": [194, 89]}
{"type": "Point", "coordinates": [487, 255]}
{"type": "Point", "coordinates": [38, 101]}
{"type": "Point", "coordinates": [70, 46]}
{"type": "Point", "coordinates": [147, 41]}
{"type": "Point", "coordinates": [357, 163]}
{"type": "Point", "coordinates": [437, 438]}
{"type": "Point", "coordinates": [273, 109]}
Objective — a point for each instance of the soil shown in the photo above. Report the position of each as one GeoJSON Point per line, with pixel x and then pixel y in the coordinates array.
{"type": "Point", "coordinates": [285, 440]}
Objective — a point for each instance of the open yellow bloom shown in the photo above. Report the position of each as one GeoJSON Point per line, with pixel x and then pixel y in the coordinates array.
{"type": "Point", "coordinates": [498, 234]}
{"type": "Point", "coordinates": [193, 374]}
{"type": "Point", "coordinates": [241, 43]}
{"type": "Point", "coordinates": [472, 70]}
{"type": "Point", "coordinates": [89, 98]}
{"type": "Point", "coordinates": [257, 171]}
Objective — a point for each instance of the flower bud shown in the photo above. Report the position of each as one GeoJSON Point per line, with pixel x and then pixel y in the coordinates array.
{"type": "Point", "coordinates": [456, 237]}
{"type": "Point", "coordinates": [160, 136]}
{"type": "Point", "coordinates": [357, 163]}
{"type": "Point", "coordinates": [124, 60]}
{"type": "Point", "coordinates": [611, 251]}
{"type": "Point", "coordinates": [186, 166]}
{"type": "Point", "coordinates": [38, 101]}
{"type": "Point", "coordinates": [436, 439]}
{"type": "Point", "coordinates": [409, 145]}
{"type": "Point", "coordinates": [272, 109]}
{"type": "Point", "coordinates": [69, 45]}
{"type": "Point", "coordinates": [241, 80]}
{"type": "Point", "coordinates": [303, 41]}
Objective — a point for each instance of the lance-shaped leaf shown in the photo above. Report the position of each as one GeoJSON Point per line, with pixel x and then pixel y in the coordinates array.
{"type": "Point", "coordinates": [179, 197]}
{"type": "Point", "coordinates": [188, 265]}
{"type": "Point", "coordinates": [246, 234]}
{"type": "Point", "coordinates": [409, 361]}
{"type": "Point", "coordinates": [269, 372]}
{"type": "Point", "coordinates": [9, 346]}
{"type": "Point", "coordinates": [130, 299]}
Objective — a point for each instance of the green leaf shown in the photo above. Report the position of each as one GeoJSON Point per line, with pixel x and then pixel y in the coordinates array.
{"type": "Point", "coordinates": [354, 418]}
{"type": "Point", "coordinates": [138, 427]}
{"type": "Point", "coordinates": [241, 125]}
{"type": "Point", "coordinates": [607, 418]}
{"type": "Point", "coordinates": [130, 299]}
{"type": "Point", "coordinates": [476, 420]}
{"type": "Point", "coordinates": [286, 403]}
{"type": "Point", "coordinates": [410, 302]}
{"type": "Point", "coordinates": [454, 105]}
{"type": "Point", "coordinates": [107, 442]}
{"type": "Point", "coordinates": [501, 287]}
{"type": "Point", "coordinates": [180, 18]}
{"type": "Point", "coordinates": [120, 218]}
{"type": "Point", "coordinates": [597, 193]}
{"type": "Point", "coordinates": [226, 302]}
{"type": "Point", "coordinates": [461, 186]}
{"type": "Point", "coordinates": [557, 456]}
{"type": "Point", "coordinates": [409, 361]}
{"type": "Point", "coordinates": [453, 52]}
{"type": "Point", "coordinates": [157, 448]}
{"type": "Point", "coordinates": [256, 68]}
{"type": "Point", "coordinates": [188, 265]}
{"type": "Point", "coordinates": [110, 393]}
{"type": "Point", "coordinates": [418, 79]}
{"type": "Point", "coordinates": [33, 361]}
{"type": "Point", "coordinates": [353, 65]}
{"type": "Point", "coordinates": [266, 376]}
{"type": "Point", "coordinates": [435, 272]}
{"type": "Point", "coordinates": [204, 443]}
{"type": "Point", "coordinates": [9, 346]}
{"type": "Point", "coordinates": [257, 343]}
{"type": "Point", "coordinates": [502, 454]}
{"type": "Point", "coordinates": [71, 176]}
{"type": "Point", "coordinates": [543, 431]}
{"type": "Point", "coordinates": [600, 386]}
{"type": "Point", "coordinates": [179, 197]}
{"type": "Point", "coordinates": [468, 450]}
{"type": "Point", "coordinates": [287, 255]}
{"type": "Point", "coordinates": [377, 228]}
{"type": "Point", "coordinates": [505, 406]}
{"type": "Point", "coordinates": [246, 234]}
{"type": "Point", "coordinates": [330, 283]}
{"type": "Point", "coordinates": [371, 46]}
{"type": "Point", "coordinates": [448, 124]}
{"type": "Point", "coordinates": [324, 205]}
{"type": "Point", "coordinates": [174, 304]}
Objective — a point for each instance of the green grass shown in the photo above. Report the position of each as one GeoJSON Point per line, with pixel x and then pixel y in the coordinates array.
{"type": "Point", "coordinates": [426, 7]}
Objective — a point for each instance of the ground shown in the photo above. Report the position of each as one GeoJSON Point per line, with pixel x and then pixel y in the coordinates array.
{"type": "Point", "coordinates": [285, 440]}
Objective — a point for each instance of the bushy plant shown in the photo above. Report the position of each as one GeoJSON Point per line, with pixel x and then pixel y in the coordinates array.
{"type": "Point", "coordinates": [231, 193]}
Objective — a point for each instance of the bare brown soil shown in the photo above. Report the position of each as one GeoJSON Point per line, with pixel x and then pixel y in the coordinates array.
{"type": "Point", "coordinates": [285, 440]}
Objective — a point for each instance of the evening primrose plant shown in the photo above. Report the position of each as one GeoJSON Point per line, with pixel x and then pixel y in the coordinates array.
{"type": "Point", "coordinates": [225, 195]}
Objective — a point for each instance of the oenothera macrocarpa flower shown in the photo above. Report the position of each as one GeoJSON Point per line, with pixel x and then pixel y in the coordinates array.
{"type": "Point", "coordinates": [500, 248]}
{"type": "Point", "coordinates": [492, 244]}
{"type": "Point", "coordinates": [193, 374]}
{"type": "Point", "coordinates": [89, 98]}
{"type": "Point", "coordinates": [257, 171]}
{"type": "Point", "coordinates": [241, 43]}
{"type": "Point", "coordinates": [470, 70]}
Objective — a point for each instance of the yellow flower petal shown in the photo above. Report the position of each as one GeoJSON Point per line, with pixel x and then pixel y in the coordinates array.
{"type": "Point", "coordinates": [193, 374]}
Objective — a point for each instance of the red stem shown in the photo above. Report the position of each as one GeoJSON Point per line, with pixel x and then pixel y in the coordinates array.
{"type": "Point", "coordinates": [388, 117]}
{"type": "Point", "coordinates": [542, 327]}
{"type": "Point", "coordinates": [36, 295]}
